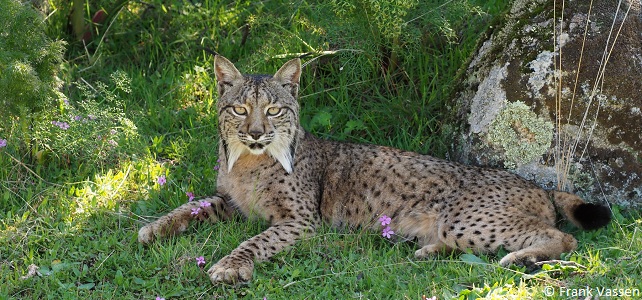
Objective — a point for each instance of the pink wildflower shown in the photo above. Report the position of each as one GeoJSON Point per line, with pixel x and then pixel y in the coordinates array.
{"type": "Point", "coordinates": [159, 298]}
{"type": "Point", "coordinates": [385, 220]}
{"type": "Point", "coordinates": [195, 211]}
{"type": "Point", "coordinates": [161, 180]}
{"type": "Point", "coordinates": [387, 232]}
{"type": "Point", "coordinates": [62, 125]}
{"type": "Point", "coordinates": [200, 261]}
{"type": "Point", "coordinates": [205, 204]}
{"type": "Point", "coordinates": [3, 143]}
{"type": "Point", "coordinates": [190, 196]}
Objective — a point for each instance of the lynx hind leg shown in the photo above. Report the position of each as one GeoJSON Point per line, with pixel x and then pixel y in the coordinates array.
{"type": "Point", "coordinates": [178, 219]}
{"type": "Point", "coordinates": [546, 244]}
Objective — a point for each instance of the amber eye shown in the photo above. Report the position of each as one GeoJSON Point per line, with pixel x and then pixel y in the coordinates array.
{"type": "Point", "coordinates": [239, 110]}
{"type": "Point", "coordinates": [273, 111]}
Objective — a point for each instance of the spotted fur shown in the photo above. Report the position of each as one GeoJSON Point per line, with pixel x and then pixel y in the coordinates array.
{"type": "Point", "coordinates": [273, 170]}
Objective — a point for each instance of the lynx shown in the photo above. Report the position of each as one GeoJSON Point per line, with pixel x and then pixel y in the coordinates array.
{"type": "Point", "coordinates": [272, 169]}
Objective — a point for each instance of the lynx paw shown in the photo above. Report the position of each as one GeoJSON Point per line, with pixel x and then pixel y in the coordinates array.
{"type": "Point", "coordinates": [431, 250]}
{"type": "Point", "coordinates": [231, 270]}
{"type": "Point", "coordinates": [428, 251]}
{"type": "Point", "coordinates": [527, 260]}
{"type": "Point", "coordinates": [146, 235]}
{"type": "Point", "coordinates": [160, 229]}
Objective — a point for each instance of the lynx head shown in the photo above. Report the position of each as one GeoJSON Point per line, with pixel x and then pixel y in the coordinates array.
{"type": "Point", "coordinates": [258, 114]}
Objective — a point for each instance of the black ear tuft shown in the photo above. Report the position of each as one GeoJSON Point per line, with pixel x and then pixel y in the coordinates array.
{"type": "Point", "coordinates": [592, 216]}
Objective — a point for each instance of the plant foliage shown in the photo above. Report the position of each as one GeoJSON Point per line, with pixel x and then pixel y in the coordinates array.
{"type": "Point", "coordinates": [29, 61]}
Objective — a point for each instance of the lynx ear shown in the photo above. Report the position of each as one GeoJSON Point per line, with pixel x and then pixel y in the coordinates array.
{"type": "Point", "coordinates": [226, 73]}
{"type": "Point", "coordinates": [288, 75]}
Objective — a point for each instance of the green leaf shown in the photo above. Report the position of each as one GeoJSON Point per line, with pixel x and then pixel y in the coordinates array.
{"type": "Point", "coordinates": [58, 266]}
{"type": "Point", "coordinates": [139, 281]}
{"type": "Point", "coordinates": [118, 278]}
{"type": "Point", "coordinates": [617, 215]}
{"type": "Point", "coordinates": [322, 119]}
{"type": "Point", "coordinates": [86, 286]}
{"type": "Point", "coordinates": [353, 125]}
{"type": "Point", "coordinates": [471, 258]}
{"type": "Point", "coordinates": [296, 273]}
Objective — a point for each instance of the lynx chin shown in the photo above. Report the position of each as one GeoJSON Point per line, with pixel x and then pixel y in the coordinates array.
{"type": "Point", "coordinates": [272, 169]}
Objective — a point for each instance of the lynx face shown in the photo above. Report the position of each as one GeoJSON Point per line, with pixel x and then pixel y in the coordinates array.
{"type": "Point", "coordinates": [258, 113]}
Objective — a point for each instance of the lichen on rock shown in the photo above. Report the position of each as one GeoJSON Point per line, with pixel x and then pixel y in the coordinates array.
{"type": "Point", "coordinates": [522, 135]}
{"type": "Point", "coordinates": [542, 74]}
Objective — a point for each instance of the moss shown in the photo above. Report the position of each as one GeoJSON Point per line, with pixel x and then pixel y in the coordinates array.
{"type": "Point", "coordinates": [512, 41]}
{"type": "Point", "coordinates": [521, 134]}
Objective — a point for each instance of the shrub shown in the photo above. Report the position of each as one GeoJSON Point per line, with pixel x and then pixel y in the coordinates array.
{"type": "Point", "coordinates": [92, 130]}
{"type": "Point", "coordinates": [29, 61]}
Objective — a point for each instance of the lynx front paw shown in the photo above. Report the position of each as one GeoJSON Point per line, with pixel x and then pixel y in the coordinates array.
{"type": "Point", "coordinates": [160, 228]}
{"type": "Point", "coordinates": [231, 270]}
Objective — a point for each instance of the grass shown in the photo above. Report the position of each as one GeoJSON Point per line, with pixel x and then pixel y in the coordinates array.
{"type": "Point", "coordinates": [73, 209]}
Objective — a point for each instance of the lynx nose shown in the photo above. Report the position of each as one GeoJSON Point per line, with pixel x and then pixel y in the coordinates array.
{"type": "Point", "coordinates": [255, 134]}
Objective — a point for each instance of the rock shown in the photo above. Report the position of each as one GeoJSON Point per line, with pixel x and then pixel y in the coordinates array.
{"type": "Point", "coordinates": [508, 105]}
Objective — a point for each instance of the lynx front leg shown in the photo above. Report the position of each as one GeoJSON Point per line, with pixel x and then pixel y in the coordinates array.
{"type": "Point", "coordinates": [177, 220]}
{"type": "Point", "coordinates": [239, 265]}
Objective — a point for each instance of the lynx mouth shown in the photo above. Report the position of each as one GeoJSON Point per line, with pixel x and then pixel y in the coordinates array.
{"type": "Point", "coordinates": [256, 146]}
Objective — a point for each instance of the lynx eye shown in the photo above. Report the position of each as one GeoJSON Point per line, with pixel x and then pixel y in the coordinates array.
{"type": "Point", "coordinates": [239, 110]}
{"type": "Point", "coordinates": [273, 111]}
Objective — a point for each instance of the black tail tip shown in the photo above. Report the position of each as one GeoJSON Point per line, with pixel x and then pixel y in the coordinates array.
{"type": "Point", "coordinates": [592, 216]}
